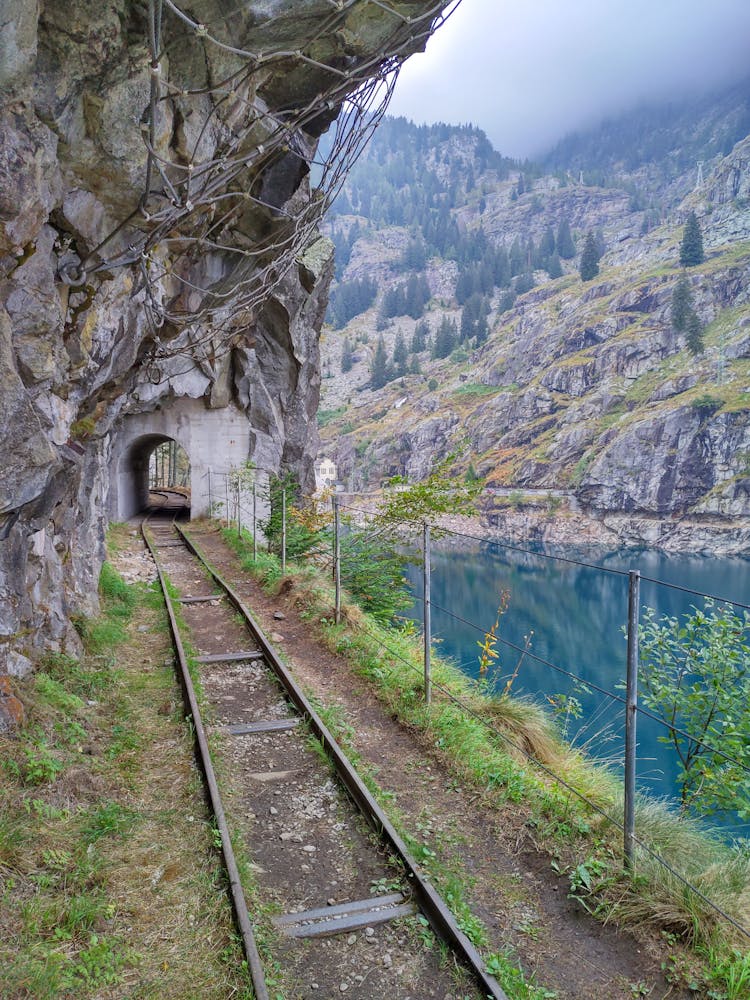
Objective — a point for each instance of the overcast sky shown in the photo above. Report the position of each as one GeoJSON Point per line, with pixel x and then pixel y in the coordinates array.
{"type": "Point", "coordinates": [530, 71]}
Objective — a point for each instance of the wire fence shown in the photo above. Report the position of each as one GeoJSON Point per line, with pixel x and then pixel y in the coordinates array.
{"type": "Point", "coordinates": [274, 493]}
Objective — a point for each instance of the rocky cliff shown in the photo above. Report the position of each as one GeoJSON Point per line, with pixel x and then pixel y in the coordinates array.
{"type": "Point", "coordinates": [582, 399]}
{"type": "Point", "coordinates": [158, 241]}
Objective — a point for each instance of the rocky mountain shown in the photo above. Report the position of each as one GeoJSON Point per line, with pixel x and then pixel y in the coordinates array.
{"type": "Point", "coordinates": [565, 397]}
{"type": "Point", "coordinates": [158, 250]}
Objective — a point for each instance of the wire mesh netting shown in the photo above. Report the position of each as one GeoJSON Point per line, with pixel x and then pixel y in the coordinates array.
{"type": "Point", "coordinates": [237, 104]}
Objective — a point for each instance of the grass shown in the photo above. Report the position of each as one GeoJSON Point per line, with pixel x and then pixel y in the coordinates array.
{"type": "Point", "coordinates": [476, 390]}
{"type": "Point", "coordinates": [109, 883]}
{"type": "Point", "coordinates": [326, 417]}
{"type": "Point", "coordinates": [498, 746]}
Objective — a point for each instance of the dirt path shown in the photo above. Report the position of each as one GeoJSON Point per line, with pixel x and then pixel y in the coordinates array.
{"type": "Point", "coordinates": [511, 886]}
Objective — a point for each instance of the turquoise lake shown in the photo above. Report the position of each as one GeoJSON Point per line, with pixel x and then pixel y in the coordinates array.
{"type": "Point", "coordinates": [576, 614]}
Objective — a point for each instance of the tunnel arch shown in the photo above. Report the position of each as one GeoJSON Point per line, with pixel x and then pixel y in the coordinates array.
{"type": "Point", "coordinates": [215, 441]}
{"type": "Point", "coordinates": [133, 474]}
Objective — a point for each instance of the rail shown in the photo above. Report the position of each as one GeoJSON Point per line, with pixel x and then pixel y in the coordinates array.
{"type": "Point", "coordinates": [430, 902]}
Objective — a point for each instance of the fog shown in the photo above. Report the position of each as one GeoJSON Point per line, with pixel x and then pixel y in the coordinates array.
{"type": "Point", "coordinates": [530, 71]}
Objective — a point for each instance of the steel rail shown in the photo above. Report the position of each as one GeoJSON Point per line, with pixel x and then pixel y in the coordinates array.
{"type": "Point", "coordinates": [192, 711]}
{"type": "Point", "coordinates": [430, 902]}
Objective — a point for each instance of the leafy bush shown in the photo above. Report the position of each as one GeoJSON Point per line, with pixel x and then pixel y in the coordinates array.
{"type": "Point", "coordinates": [696, 677]}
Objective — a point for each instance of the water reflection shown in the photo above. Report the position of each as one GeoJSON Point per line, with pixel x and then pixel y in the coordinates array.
{"type": "Point", "coordinates": [576, 614]}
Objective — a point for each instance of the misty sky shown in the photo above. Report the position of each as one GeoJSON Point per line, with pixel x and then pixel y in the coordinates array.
{"type": "Point", "coordinates": [530, 71]}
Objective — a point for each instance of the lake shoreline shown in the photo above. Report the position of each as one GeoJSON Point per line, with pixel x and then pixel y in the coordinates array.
{"type": "Point", "coordinates": [604, 534]}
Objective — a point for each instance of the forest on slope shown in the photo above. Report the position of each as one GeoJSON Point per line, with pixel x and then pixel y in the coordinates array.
{"type": "Point", "coordinates": [459, 321]}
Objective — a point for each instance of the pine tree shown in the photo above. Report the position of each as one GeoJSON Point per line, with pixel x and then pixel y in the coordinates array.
{"type": "Point", "coordinates": [481, 328]}
{"type": "Point", "coordinates": [399, 355]}
{"type": "Point", "coordinates": [516, 258]}
{"type": "Point", "coordinates": [694, 333]}
{"type": "Point", "coordinates": [682, 305]}
{"type": "Point", "coordinates": [691, 248]}
{"type": "Point", "coordinates": [415, 254]}
{"type": "Point", "coordinates": [445, 339]}
{"type": "Point", "coordinates": [684, 317]}
{"type": "Point", "coordinates": [564, 242]}
{"type": "Point", "coordinates": [589, 266]}
{"type": "Point", "coordinates": [379, 373]}
{"type": "Point", "coordinates": [547, 244]}
{"type": "Point", "coordinates": [469, 316]}
{"type": "Point", "coordinates": [554, 268]}
{"type": "Point", "coordinates": [347, 359]}
{"type": "Point", "coordinates": [419, 337]}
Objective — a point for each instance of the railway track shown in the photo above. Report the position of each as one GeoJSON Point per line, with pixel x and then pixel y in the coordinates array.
{"type": "Point", "coordinates": [349, 904]}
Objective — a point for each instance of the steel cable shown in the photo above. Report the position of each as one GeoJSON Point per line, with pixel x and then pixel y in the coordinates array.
{"type": "Point", "coordinates": [565, 784]}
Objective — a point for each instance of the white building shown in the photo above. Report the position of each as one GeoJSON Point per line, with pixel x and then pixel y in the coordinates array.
{"type": "Point", "coordinates": [325, 474]}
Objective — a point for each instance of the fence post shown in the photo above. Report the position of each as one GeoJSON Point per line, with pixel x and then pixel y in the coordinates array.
{"type": "Point", "coordinates": [337, 558]}
{"type": "Point", "coordinates": [426, 615]}
{"type": "Point", "coordinates": [255, 527]}
{"type": "Point", "coordinates": [210, 501]}
{"type": "Point", "coordinates": [283, 531]}
{"type": "Point", "coordinates": [631, 714]}
{"type": "Point", "coordinates": [227, 515]}
{"type": "Point", "coordinates": [239, 514]}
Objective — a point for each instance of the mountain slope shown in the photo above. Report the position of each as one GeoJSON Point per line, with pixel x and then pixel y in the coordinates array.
{"type": "Point", "coordinates": [580, 387]}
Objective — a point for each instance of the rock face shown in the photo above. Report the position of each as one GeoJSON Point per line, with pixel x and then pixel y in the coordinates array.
{"type": "Point", "coordinates": [157, 242]}
{"type": "Point", "coordinates": [585, 388]}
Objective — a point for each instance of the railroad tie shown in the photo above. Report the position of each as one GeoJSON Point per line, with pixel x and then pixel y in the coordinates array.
{"type": "Point", "coordinates": [344, 917]}
{"type": "Point", "coordinates": [264, 726]}
{"type": "Point", "coordinates": [250, 654]}
{"type": "Point", "coordinates": [199, 600]}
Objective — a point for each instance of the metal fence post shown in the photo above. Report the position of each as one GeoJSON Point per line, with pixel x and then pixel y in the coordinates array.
{"type": "Point", "coordinates": [227, 515]}
{"type": "Point", "coordinates": [255, 526]}
{"type": "Point", "coordinates": [631, 714]}
{"type": "Point", "coordinates": [426, 615]}
{"type": "Point", "coordinates": [210, 501]}
{"type": "Point", "coordinates": [239, 515]}
{"type": "Point", "coordinates": [337, 558]}
{"type": "Point", "coordinates": [283, 530]}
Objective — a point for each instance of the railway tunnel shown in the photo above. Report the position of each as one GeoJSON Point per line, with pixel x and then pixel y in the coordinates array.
{"type": "Point", "coordinates": [157, 474]}
{"type": "Point", "coordinates": [214, 441]}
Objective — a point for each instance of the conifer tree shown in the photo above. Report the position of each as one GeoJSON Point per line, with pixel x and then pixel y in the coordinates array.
{"type": "Point", "coordinates": [684, 317]}
{"type": "Point", "coordinates": [691, 248]}
{"type": "Point", "coordinates": [554, 268]}
{"type": "Point", "coordinates": [682, 305]}
{"type": "Point", "coordinates": [481, 328]}
{"type": "Point", "coordinates": [694, 333]}
{"type": "Point", "coordinates": [589, 266]}
{"type": "Point", "coordinates": [564, 242]}
{"type": "Point", "coordinates": [445, 339]}
{"type": "Point", "coordinates": [419, 337]}
{"type": "Point", "coordinates": [469, 316]}
{"type": "Point", "coordinates": [547, 244]}
{"type": "Point", "coordinates": [399, 355]}
{"type": "Point", "coordinates": [347, 359]}
{"type": "Point", "coordinates": [379, 373]}
{"type": "Point", "coordinates": [516, 258]}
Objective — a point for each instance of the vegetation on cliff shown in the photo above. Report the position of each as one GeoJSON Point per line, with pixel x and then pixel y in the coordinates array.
{"type": "Point", "coordinates": [577, 375]}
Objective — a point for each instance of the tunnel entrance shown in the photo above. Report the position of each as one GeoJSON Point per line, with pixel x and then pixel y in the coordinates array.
{"type": "Point", "coordinates": [169, 479]}
{"type": "Point", "coordinates": [157, 476]}
{"type": "Point", "coordinates": [205, 446]}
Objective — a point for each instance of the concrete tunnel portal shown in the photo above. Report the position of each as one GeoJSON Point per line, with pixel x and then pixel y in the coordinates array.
{"type": "Point", "coordinates": [213, 442]}
{"type": "Point", "coordinates": [156, 468]}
